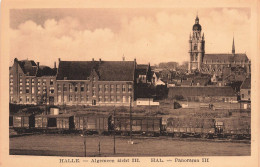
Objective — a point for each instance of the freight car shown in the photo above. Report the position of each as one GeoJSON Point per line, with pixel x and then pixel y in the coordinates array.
{"type": "Point", "coordinates": [23, 122]}
{"type": "Point", "coordinates": [234, 127]}
{"type": "Point", "coordinates": [190, 126]}
{"type": "Point", "coordinates": [63, 123]}
{"type": "Point", "coordinates": [93, 123]}
{"type": "Point", "coordinates": [147, 125]}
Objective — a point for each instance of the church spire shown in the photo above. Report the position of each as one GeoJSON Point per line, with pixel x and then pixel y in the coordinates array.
{"type": "Point", "coordinates": [233, 46]}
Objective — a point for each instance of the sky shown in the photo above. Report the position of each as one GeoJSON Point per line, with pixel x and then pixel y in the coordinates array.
{"type": "Point", "coordinates": [150, 35]}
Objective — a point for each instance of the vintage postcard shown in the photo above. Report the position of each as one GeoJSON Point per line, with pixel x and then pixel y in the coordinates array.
{"type": "Point", "coordinates": [120, 83]}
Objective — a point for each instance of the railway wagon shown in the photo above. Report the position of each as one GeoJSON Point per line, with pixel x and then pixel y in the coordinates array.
{"type": "Point", "coordinates": [23, 122]}
{"type": "Point", "coordinates": [150, 126]}
{"type": "Point", "coordinates": [54, 123]}
{"type": "Point", "coordinates": [92, 123]}
{"type": "Point", "coordinates": [234, 127]}
{"type": "Point", "coordinates": [190, 126]}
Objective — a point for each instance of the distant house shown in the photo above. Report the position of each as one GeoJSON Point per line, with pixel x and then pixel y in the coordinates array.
{"type": "Point", "coordinates": [245, 93]}
{"type": "Point", "coordinates": [203, 93]}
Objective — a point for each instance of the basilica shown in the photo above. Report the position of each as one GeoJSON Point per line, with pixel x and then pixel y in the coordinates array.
{"type": "Point", "coordinates": [215, 64]}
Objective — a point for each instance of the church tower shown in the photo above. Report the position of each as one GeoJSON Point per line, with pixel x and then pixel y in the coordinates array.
{"type": "Point", "coordinates": [197, 47]}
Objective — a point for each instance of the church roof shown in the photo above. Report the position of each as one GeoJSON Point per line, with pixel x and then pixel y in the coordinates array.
{"type": "Point", "coordinates": [222, 57]}
{"type": "Point", "coordinates": [106, 70]}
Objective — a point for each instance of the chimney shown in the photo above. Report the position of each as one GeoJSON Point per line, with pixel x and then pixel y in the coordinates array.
{"type": "Point", "coordinates": [93, 59]}
{"type": "Point", "coordinates": [55, 64]}
{"type": "Point", "coordinates": [38, 64]}
{"type": "Point", "coordinates": [59, 60]}
{"type": "Point", "coordinates": [123, 58]}
{"type": "Point", "coordinates": [100, 60]}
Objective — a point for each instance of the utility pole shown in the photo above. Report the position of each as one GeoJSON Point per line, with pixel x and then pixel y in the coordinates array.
{"type": "Point", "coordinates": [114, 132]}
{"type": "Point", "coordinates": [85, 145]}
{"type": "Point", "coordinates": [131, 118]}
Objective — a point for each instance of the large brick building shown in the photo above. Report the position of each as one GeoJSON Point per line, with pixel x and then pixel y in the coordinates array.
{"type": "Point", "coordinates": [95, 82]}
{"type": "Point", "coordinates": [74, 82]}
{"type": "Point", "coordinates": [30, 83]}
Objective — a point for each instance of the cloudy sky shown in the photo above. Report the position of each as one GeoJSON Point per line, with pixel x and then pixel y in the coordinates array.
{"type": "Point", "coordinates": [149, 35]}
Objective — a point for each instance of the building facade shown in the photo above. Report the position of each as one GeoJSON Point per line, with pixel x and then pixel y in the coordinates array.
{"type": "Point", "coordinates": [30, 83]}
{"type": "Point", "coordinates": [73, 83]}
{"type": "Point", "coordinates": [218, 64]}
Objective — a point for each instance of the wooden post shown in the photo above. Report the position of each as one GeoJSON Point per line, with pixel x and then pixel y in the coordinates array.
{"type": "Point", "coordinates": [114, 133]}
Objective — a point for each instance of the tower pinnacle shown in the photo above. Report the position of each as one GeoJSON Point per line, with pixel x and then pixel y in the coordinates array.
{"type": "Point", "coordinates": [233, 46]}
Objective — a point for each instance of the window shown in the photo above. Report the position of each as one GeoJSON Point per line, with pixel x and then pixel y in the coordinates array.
{"type": "Point", "coordinates": [100, 88]}
{"type": "Point", "coordinates": [59, 99]}
{"type": "Point", "coordinates": [27, 90]}
{"type": "Point", "coordinates": [39, 82]}
{"type": "Point", "coordinates": [11, 81]}
{"type": "Point", "coordinates": [93, 86]}
{"type": "Point", "coordinates": [44, 82]}
{"type": "Point", "coordinates": [32, 81]}
{"type": "Point", "coordinates": [11, 75]}
{"type": "Point", "coordinates": [20, 99]}
{"type": "Point", "coordinates": [129, 88]}
{"type": "Point", "coordinates": [51, 82]}
{"type": "Point", "coordinates": [39, 90]}
{"type": "Point", "coordinates": [242, 95]}
{"type": "Point", "coordinates": [112, 98]}
{"type": "Point", "coordinates": [82, 88]}
{"type": "Point", "coordinates": [249, 92]}
{"type": "Point", "coordinates": [51, 90]}
{"type": "Point", "coordinates": [195, 47]}
{"type": "Point", "coordinates": [44, 90]}
{"type": "Point", "coordinates": [99, 98]}
{"type": "Point", "coordinates": [93, 93]}
{"type": "Point", "coordinates": [117, 88]}
{"type": "Point", "coordinates": [123, 88]}
{"type": "Point", "coordinates": [81, 98]}
{"type": "Point", "coordinates": [21, 81]}
{"type": "Point", "coordinates": [27, 82]}
{"type": "Point", "coordinates": [118, 99]}
{"type": "Point", "coordinates": [87, 98]}
{"type": "Point", "coordinates": [59, 88]}
{"type": "Point", "coordinates": [11, 90]}
{"type": "Point", "coordinates": [20, 75]}
{"type": "Point", "coordinates": [11, 98]}
{"type": "Point", "coordinates": [76, 98]}
{"type": "Point", "coordinates": [64, 88]}
{"type": "Point", "coordinates": [124, 99]}
{"type": "Point", "coordinates": [27, 99]}
{"type": "Point", "coordinates": [106, 99]}
{"type": "Point", "coordinates": [76, 88]}
{"type": "Point", "coordinates": [112, 88]}
{"type": "Point", "coordinates": [106, 88]}
{"type": "Point", "coordinates": [70, 87]}
{"type": "Point", "coordinates": [32, 99]}
{"type": "Point", "coordinates": [21, 90]}
{"type": "Point", "coordinates": [87, 87]}
{"type": "Point", "coordinates": [70, 98]}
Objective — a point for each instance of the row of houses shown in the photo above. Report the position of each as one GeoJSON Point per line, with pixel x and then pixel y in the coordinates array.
{"type": "Point", "coordinates": [105, 83]}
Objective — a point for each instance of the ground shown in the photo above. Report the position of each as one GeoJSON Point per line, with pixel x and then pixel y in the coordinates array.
{"type": "Point", "coordinates": [73, 145]}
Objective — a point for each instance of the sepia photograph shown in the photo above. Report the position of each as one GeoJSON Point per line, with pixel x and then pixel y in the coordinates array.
{"type": "Point", "coordinates": [115, 85]}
